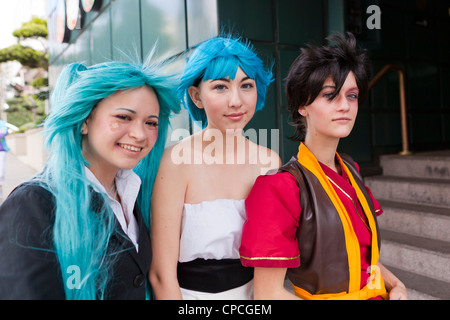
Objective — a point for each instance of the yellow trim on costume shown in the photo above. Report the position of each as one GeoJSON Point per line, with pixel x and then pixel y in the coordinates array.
{"type": "Point", "coordinates": [363, 294]}
{"type": "Point", "coordinates": [270, 258]}
{"type": "Point", "coordinates": [307, 160]}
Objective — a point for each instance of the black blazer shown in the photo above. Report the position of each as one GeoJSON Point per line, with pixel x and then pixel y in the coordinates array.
{"type": "Point", "coordinates": [29, 268]}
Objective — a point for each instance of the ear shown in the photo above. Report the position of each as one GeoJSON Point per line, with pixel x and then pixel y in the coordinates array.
{"type": "Point", "coordinates": [302, 111]}
{"type": "Point", "coordinates": [194, 93]}
{"type": "Point", "coordinates": [84, 127]}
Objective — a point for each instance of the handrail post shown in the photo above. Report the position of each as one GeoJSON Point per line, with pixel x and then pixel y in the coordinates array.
{"type": "Point", "coordinates": [403, 114]}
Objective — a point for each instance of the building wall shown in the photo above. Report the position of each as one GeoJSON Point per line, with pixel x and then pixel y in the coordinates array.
{"type": "Point", "coordinates": [124, 29]}
{"type": "Point", "coordinates": [277, 29]}
{"type": "Point", "coordinates": [413, 35]}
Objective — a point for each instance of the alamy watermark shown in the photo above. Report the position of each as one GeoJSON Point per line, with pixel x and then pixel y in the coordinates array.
{"type": "Point", "coordinates": [374, 20]}
{"type": "Point", "coordinates": [225, 148]}
{"type": "Point", "coordinates": [374, 280]}
{"type": "Point", "coordinates": [74, 280]}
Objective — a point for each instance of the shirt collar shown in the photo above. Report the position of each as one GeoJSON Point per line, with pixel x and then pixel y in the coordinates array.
{"type": "Point", "coordinates": [128, 184]}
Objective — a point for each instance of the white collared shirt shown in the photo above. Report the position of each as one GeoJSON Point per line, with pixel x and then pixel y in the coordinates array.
{"type": "Point", "coordinates": [128, 184]}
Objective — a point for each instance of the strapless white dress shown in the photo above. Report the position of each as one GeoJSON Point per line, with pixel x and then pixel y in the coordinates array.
{"type": "Point", "coordinates": [213, 230]}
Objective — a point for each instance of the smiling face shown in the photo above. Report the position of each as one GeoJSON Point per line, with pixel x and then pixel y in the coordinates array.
{"type": "Point", "coordinates": [228, 104]}
{"type": "Point", "coordinates": [333, 119]}
{"type": "Point", "coordinates": [121, 130]}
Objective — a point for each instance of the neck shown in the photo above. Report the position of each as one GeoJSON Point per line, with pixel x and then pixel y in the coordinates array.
{"type": "Point", "coordinates": [107, 179]}
{"type": "Point", "coordinates": [104, 172]}
{"type": "Point", "coordinates": [324, 150]}
{"type": "Point", "coordinates": [230, 143]}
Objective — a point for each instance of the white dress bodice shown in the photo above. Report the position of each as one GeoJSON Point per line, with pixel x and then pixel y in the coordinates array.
{"type": "Point", "coordinates": [212, 230]}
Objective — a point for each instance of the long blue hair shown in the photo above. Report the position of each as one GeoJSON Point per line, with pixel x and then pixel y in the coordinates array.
{"type": "Point", "coordinates": [82, 232]}
{"type": "Point", "coordinates": [218, 58]}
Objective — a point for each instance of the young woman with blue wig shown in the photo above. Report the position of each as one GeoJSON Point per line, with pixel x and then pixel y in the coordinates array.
{"type": "Point", "coordinates": [80, 228]}
{"type": "Point", "coordinates": [198, 200]}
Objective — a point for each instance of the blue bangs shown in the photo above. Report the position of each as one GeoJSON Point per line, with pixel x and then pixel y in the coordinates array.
{"type": "Point", "coordinates": [222, 67]}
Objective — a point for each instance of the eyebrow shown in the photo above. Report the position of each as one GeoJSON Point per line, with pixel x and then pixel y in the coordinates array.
{"type": "Point", "coordinates": [228, 80]}
{"type": "Point", "coordinates": [334, 87]}
{"type": "Point", "coordinates": [134, 112]}
{"type": "Point", "coordinates": [126, 109]}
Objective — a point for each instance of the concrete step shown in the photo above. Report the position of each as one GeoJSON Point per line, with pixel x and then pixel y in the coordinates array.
{"type": "Point", "coordinates": [434, 165]}
{"type": "Point", "coordinates": [431, 192]}
{"type": "Point", "coordinates": [427, 257]}
{"type": "Point", "coordinates": [417, 220]}
{"type": "Point", "coordinates": [420, 287]}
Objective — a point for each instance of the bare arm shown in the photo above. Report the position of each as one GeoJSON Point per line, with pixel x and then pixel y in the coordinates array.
{"type": "Point", "coordinates": [269, 285]}
{"type": "Point", "coordinates": [396, 288]}
{"type": "Point", "coordinates": [167, 206]}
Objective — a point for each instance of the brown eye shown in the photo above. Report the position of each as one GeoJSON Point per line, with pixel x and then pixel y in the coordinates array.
{"type": "Point", "coordinates": [152, 124]}
{"type": "Point", "coordinates": [328, 95]}
{"type": "Point", "coordinates": [123, 117]}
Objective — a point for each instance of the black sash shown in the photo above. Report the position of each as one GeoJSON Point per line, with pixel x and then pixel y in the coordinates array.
{"type": "Point", "coordinates": [213, 276]}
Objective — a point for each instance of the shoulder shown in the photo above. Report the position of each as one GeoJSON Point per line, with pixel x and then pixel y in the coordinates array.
{"type": "Point", "coordinates": [29, 200]}
{"type": "Point", "coordinates": [180, 153]}
{"type": "Point", "coordinates": [172, 172]}
{"type": "Point", "coordinates": [277, 179]}
{"type": "Point", "coordinates": [30, 191]}
{"type": "Point", "coordinates": [278, 185]}
{"type": "Point", "coordinates": [266, 158]}
{"type": "Point", "coordinates": [27, 215]}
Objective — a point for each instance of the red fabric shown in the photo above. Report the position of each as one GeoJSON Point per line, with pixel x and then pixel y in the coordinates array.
{"type": "Point", "coordinates": [269, 234]}
{"type": "Point", "coordinates": [273, 212]}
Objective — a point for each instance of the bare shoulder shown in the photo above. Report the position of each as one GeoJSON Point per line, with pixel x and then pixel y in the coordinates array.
{"type": "Point", "coordinates": [178, 154]}
{"type": "Point", "coordinates": [170, 183]}
{"type": "Point", "coordinates": [267, 159]}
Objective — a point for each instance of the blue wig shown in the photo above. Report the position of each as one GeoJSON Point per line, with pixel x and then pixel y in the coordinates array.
{"type": "Point", "coordinates": [82, 236]}
{"type": "Point", "coordinates": [219, 58]}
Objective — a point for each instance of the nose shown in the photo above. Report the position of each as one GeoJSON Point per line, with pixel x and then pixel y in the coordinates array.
{"type": "Point", "coordinates": [137, 131]}
{"type": "Point", "coordinates": [343, 104]}
{"type": "Point", "coordinates": [235, 98]}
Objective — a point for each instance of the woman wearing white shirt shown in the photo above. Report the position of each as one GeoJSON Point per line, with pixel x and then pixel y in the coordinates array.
{"type": "Point", "coordinates": [76, 230]}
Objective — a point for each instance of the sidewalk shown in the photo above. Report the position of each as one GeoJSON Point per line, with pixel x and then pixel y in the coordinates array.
{"type": "Point", "coordinates": [16, 173]}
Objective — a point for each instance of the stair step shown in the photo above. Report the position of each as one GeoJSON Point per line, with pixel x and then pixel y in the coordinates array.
{"type": "Point", "coordinates": [420, 287]}
{"type": "Point", "coordinates": [435, 165]}
{"type": "Point", "coordinates": [418, 220]}
{"type": "Point", "coordinates": [432, 192]}
{"type": "Point", "coordinates": [415, 254]}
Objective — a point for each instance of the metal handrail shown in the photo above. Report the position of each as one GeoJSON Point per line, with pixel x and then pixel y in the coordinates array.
{"type": "Point", "coordinates": [404, 121]}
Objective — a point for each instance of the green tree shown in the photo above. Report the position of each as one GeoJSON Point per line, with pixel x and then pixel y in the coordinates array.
{"type": "Point", "coordinates": [28, 109]}
{"type": "Point", "coordinates": [34, 29]}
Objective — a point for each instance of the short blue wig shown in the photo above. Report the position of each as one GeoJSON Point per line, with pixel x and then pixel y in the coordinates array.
{"type": "Point", "coordinates": [219, 58]}
{"type": "Point", "coordinates": [82, 237]}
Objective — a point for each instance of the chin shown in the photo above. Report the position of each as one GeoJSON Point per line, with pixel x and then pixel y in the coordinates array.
{"type": "Point", "coordinates": [344, 134]}
{"type": "Point", "coordinates": [128, 166]}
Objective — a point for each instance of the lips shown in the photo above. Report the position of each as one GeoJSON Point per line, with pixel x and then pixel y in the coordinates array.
{"type": "Point", "coordinates": [235, 116]}
{"type": "Point", "coordinates": [342, 119]}
{"type": "Point", "coordinates": [130, 147]}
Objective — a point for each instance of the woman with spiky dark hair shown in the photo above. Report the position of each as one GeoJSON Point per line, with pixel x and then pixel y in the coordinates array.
{"type": "Point", "coordinates": [314, 219]}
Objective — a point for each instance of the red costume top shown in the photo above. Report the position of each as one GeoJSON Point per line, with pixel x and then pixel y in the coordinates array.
{"type": "Point", "coordinates": [273, 211]}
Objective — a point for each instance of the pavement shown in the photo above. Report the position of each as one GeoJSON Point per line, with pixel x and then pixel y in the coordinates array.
{"type": "Point", "coordinates": [16, 173]}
